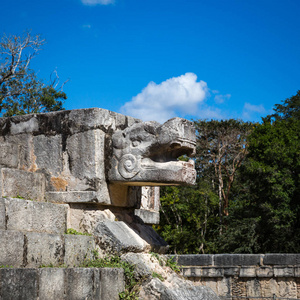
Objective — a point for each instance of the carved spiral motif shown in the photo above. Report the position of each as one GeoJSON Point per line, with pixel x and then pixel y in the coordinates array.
{"type": "Point", "coordinates": [128, 166]}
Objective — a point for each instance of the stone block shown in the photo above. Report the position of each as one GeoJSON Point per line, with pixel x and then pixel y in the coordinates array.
{"type": "Point", "coordinates": [79, 283]}
{"type": "Point", "coordinates": [26, 151]}
{"type": "Point", "coordinates": [2, 215]}
{"type": "Point", "coordinates": [247, 272]}
{"type": "Point", "coordinates": [72, 197]}
{"type": "Point", "coordinates": [28, 185]}
{"type": "Point", "coordinates": [147, 216]}
{"type": "Point", "coordinates": [86, 155]}
{"type": "Point", "coordinates": [11, 248]}
{"type": "Point", "coordinates": [29, 215]}
{"type": "Point", "coordinates": [268, 287]}
{"type": "Point", "coordinates": [48, 152]}
{"type": "Point", "coordinates": [119, 237]}
{"type": "Point", "coordinates": [236, 259]}
{"type": "Point", "coordinates": [297, 272]}
{"type": "Point", "coordinates": [24, 124]}
{"type": "Point", "coordinates": [191, 272]}
{"type": "Point", "coordinates": [9, 155]}
{"type": "Point", "coordinates": [283, 271]}
{"type": "Point", "coordinates": [21, 284]}
{"type": "Point", "coordinates": [281, 259]}
{"type": "Point", "coordinates": [92, 118]}
{"type": "Point", "coordinates": [52, 283]}
{"type": "Point", "coordinates": [264, 272]}
{"type": "Point", "coordinates": [231, 271]}
{"type": "Point", "coordinates": [253, 288]}
{"type": "Point", "coordinates": [78, 248]}
{"type": "Point", "coordinates": [194, 260]}
{"type": "Point", "coordinates": [287, 288]}
{"type": "Point", "coordinates": [112, 277]}
{"type": "Point", "coordinates": [150, 198]}
{"type": "Point", "coordinates": [224, 286]}
{"type": "Point", "coordinates": [44, 249]}
{"type": "Point", "coordinates": [212, 272]}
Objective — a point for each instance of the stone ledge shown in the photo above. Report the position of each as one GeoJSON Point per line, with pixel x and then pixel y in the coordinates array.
{"type": "Point", "coordinates": [236, 259]}
{"type": "Point", "coordinates": [56, 122]}
{"type": "Point", "coordinates": [281, 259]}
{"type": "Point", "coordinates": [193, 259]}
{"type": "Point", "coordinates": [32, 249]}
{"type": "Point", "coordinates": [233, 260]}
{"type": "Point", "coordinates": [72, 197]}
{"type": "Point", "coordinates": [241, 272]}
{"type": "Point", "coordinates": [59, 283]}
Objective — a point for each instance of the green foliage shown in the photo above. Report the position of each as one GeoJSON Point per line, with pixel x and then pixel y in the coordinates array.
{"type": "Point", "coordinates": [73, 231]}
{"type": "Point", "coordinates": [265, 216]}
{"type": "Point", "coordinates": [53, 266]}
{"type": "Point", "coordinates": [156, 275]}
{"type": "Point", "coordinates": [290, 109]}
{"type": "Point", "coordinates": [164, 261]}
{"type": "Point", "coordinates": [5, 267]}
{"type": "Point", "coordinates": [188, 212]}
{"type": "Point", "coordinates": [21, 92]}
{"type": "Point", "coordinates": [36, 97]}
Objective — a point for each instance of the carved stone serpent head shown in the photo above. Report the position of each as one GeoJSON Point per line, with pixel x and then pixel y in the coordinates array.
{"type": "Point", "coordinates": [147, 153]}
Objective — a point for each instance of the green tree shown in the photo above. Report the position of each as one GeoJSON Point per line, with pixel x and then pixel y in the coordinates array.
{"type": "Point", "coordinates": [21, 92]}
{"type": "Point", "coordinates": [269, 205]}
{"type": "Point", "coordinates": [221, 150]}
{"type": "Point", "coordinates": [189, 217]}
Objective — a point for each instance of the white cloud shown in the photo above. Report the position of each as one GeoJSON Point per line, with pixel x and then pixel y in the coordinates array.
{"type": "Point", "coordinates": [221, 98]}
{"type": "Point", "coordinates": [175, 96]}
{"type": "Point", "coordinates": [250, 110]}
{"type": "Point", "coordinates": [96, 2]}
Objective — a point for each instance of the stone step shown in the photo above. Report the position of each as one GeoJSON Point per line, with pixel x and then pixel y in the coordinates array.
{"type": "Point", "coordinates": [61, 283]}
{"type": "Point", "coordinates": [33, 249]}
{"type": "Point", "coordinates": [27, 215]}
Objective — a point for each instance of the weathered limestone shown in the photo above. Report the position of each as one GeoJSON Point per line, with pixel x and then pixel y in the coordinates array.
{"type": "Point", "coordinates": [26, 215]}
{"type": "Point", "coordinates": [62, 284]}
{"type": "Point", "coordinates": [119, 237]}
{"type": "Point", "coordinates": [43, 249]}
{"type": "Point", "coordinates": [257, 275]}
{"type": "Point", "coordinates": [68, 148]}
{"type": "Point", "coordinates": [16, 183]}
{"type": "Point", "coordinates": [11, 248]}
{"type": "Point", "coordinates": [97, 172]}
{"type": "Point", "coordinates": [146, 216]}
{"type": "Point", "coordinates": [78, 249]}
{"type": "Point", "coordinates": [33, 249]}
{"type": "Point", "coordinates": [52, 283]}
{"type": "Point", "coordinates": [19, 284]}
{"type": "Point", "coordinates": [111, 277]}
{"type": "Point", "coordinates": [173, 286]}
{"type": "Point", "coordinates": [9, 155]}
{"type": "Point", "coordinates": [2, 215]}
{"type": "Point", "coordinates": [146, 153]}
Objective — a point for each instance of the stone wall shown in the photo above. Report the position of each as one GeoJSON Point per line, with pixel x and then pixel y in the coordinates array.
{"type": "Point", "coordinates": [245, 275]}
{"type": "Point", "coordinates": [61, 283]}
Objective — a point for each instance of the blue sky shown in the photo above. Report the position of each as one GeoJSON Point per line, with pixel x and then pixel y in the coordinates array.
{"type": "Point", "coordinates": [159, 59]}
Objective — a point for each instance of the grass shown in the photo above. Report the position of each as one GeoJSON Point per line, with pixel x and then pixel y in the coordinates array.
{"type": "Point", "coordinates": [75, 232]}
